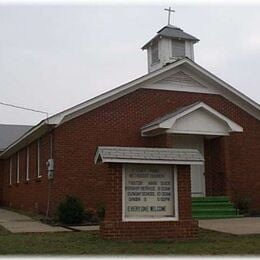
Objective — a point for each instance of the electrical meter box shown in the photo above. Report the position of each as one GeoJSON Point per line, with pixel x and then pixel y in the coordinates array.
{"type": "Point", "coordinates": [50, 166]}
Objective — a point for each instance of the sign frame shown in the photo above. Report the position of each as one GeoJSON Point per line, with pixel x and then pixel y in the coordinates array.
{"type": "Point", "coordinates": [149, 219]}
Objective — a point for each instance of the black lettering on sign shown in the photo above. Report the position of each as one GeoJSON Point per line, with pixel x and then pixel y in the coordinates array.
{"type": "Point", "coordinates": [147, 188]}
{"type": "Point", "coordinates": [132, 188]}
{"type": "Point", "coordinates": [157, 175]}
{"type": "Point", "coordinates": [134, 199]}
{"type": "Point", "coordinates": [158, 208]}
{"type": "Point", "coordinates": [137, 208]}
{"type": "Point", "coordinates": [134, 193]}
{"type": "Point", "coordinates": [148, 194]}
{"type": "Point", "coordinates": [135, 182]}
{"type": "Point", "coordinates": [165, 188]}
{"type": "Point", "coordinates": [166, 194]}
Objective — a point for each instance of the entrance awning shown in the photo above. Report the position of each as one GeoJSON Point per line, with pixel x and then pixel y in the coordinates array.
{"type": "Point", "coordinates": [198, 118]}
{"type": "Point", "coordinates": [144, 155]}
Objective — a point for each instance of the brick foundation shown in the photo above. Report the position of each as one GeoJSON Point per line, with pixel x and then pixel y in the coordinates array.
{"type": "Point", "coordinates": [114, 228]}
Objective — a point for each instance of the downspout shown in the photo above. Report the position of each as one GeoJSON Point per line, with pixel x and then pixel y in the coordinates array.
{"type": "Point", "coordinates": [50, 180]}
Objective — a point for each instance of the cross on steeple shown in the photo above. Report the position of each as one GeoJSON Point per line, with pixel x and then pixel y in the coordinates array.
{"type": "Point", "coordinates": [169, 14]}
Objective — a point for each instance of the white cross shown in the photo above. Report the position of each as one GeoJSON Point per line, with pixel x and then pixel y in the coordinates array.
{"type": "Point", "coordinates": [169, 14]}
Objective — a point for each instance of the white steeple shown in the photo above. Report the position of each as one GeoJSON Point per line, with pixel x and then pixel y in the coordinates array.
{"type": "Point", "coordinates": [170, 44]}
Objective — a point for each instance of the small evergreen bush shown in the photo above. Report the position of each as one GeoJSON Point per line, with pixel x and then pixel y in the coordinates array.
{"type": "Point", "coordinates": [88, 215]}
{"type": "Point", "coordinates": [71, 210]}
{"type": "Point", "coordinates": [242, 204]}
{"type": "Point", "coordinates": [101, 212]}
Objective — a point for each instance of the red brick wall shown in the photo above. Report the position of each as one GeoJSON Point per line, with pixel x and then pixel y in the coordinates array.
{"type": "Point", "coordinates": [119, 123]}
{"type": "Point", "coordinates": [215, 168]}
{"type": "Point", "coordinates": [114, 228]}
{"type": "Point", "coordinates": [1, 180]}
{"type": "Point", "coordinates": [28, 195]}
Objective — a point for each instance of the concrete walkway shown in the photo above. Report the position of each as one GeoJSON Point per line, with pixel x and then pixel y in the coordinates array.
{"type": "Point", "coordinates": [236, 226]}
{"type": "Point", "coordinates": [18, 223]}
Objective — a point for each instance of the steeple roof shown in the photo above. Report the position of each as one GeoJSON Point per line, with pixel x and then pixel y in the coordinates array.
{"type": "Point", "coordinates": [173, 32]}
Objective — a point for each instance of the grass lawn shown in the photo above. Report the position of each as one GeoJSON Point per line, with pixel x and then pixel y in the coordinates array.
{"type": "Point", "coordinates": [78, 243]}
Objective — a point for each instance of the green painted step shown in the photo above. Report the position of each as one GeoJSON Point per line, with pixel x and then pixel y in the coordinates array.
{"type": "Point", "coordinates": [213, 208]}
{"type": "Point", "coordinates": [211, 199]}
{"type": "Point", "coordinates": [218, 217]}
{"type": "Point", "coordinates": [215, 211]}
{"type": "Point", "coordinates": [222, 205]}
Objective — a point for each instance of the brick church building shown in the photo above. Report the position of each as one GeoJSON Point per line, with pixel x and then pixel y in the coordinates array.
{"type": "Point", "coordinates": [143, 149]}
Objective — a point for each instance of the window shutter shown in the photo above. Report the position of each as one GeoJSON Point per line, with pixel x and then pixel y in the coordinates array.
{"type": "Point", "coordinates": [178, 48]}
{"type": "Point", "coordinates": [155, 52]}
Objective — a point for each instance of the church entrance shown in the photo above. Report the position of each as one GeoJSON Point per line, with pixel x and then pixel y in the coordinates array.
{"type": "Point", "coordinates": [197, 171]}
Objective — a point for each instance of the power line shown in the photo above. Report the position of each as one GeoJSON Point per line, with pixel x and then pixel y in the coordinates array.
{"type": "Point", "coordinates": [25, 108]}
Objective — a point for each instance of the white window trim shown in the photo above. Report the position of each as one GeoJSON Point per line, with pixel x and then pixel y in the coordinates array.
{"type": "Point", "coordinates": [140, 219]}
{"type": "Point", "coordinates": [38, 160]}
{"type": "Point", "coordinates": [18, 168]}
{"type": "Point", "coordinates": [10, 170]}
{"type": "Point", "coordinates": [27, 163]}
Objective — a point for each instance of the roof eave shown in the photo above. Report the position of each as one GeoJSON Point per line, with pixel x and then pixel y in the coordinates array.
{"type": "Point", "coordinates": [224, 84]}
{"type": "Point", "coordinates": [195, 40]}
{"type": "Point", "coordinates": [30, 136]}
{"type": "Point", "coordinates": [149, 42]}
{"type": "Point", "coordinates": [136, 161]}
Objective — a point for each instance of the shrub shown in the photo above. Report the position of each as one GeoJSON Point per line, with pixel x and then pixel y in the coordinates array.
{"type": "Point", "coordinates": [101, 212]}
{"type": "Point", "coordinates": [88, 215]}
{"type": "Point", "coordinates": [71, 211]}
{"type": "Point", "coordinates": [242, 204]}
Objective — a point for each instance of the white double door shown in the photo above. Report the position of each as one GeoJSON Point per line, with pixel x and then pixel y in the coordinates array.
{"type": "Point", "coordinates": [197, 171]}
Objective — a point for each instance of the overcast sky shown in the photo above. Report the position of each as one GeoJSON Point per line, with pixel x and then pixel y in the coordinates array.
{"type": "Point", "coordinates": [53, 57]}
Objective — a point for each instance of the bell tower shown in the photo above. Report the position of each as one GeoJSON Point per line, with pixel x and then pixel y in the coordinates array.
{"type": "Point", "coordinates": [168, 45]}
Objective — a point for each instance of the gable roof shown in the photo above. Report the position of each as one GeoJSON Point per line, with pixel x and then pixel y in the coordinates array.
{"type": "Point", "coordinates": [10, 133]}
{"type": "Point", "coordinates": [171, 115]}
{"type": "Point", "coordinates": [229, 92]}
{"type": "Point", "coordinates": [115, 154]}
{"type": "Point", "coordinates": [139, 83]}
{"type": "Point", "coordinates": [173, 32]}
{"type": "Point", "coordinates": [168, 121]}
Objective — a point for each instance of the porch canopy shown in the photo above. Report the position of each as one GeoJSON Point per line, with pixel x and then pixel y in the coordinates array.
{"type": "Point", "coordinates": [198, 118]}
{"type": "Point", "coordinates": [145, 155]}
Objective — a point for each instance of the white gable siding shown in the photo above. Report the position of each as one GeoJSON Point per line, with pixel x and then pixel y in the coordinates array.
{"type": "Point", "coordinates": [200, 122]}
{"type": "Point", "coordinates": [182, 81]}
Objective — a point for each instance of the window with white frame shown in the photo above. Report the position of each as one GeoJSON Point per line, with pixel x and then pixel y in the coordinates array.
{"type": "Point", "coordinates": [149, 192]}
{"type": "Point", "coordinates": [27, 164]}
{"type": "Point", "coordinates": [18, 168]}
{"type": "Point", "coordinates": [38, 159]}
{"type": "Point", "coordinates": [10, 170]}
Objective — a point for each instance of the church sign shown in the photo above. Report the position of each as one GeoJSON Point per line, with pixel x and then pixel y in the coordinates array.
{"type": "Point", "coordinates": [149, 192]}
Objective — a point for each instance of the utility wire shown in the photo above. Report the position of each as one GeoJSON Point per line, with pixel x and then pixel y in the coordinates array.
{"type": "Point", "coordinates": [25, 108]}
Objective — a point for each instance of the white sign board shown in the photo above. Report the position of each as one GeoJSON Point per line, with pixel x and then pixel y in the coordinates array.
{"type": "Point", "coordinates": [149, 191]}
